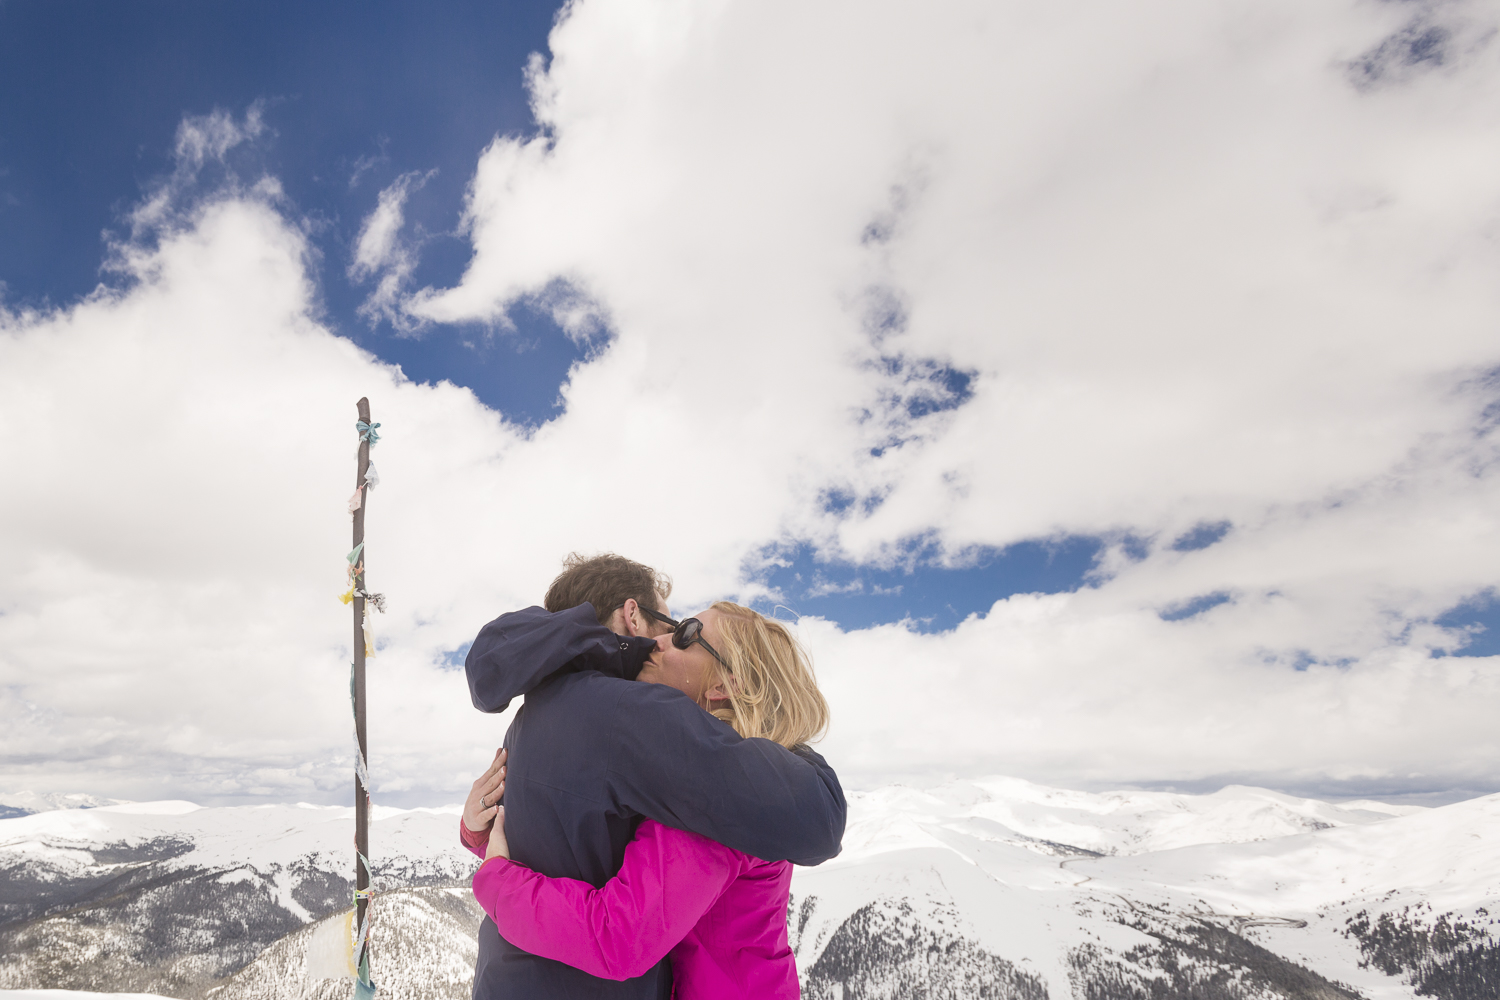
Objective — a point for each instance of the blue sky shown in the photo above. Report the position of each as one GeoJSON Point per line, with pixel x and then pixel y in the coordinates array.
{"type": "Point", "coordinates": [1110, 400]}
{"type": "Point", "coordinates": [354, 97]}
{"type": "Point", "coordinates": [354, 94]}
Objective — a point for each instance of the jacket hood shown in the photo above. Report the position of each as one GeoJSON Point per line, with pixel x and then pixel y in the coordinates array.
{"type": "Point", "coordinates": [517, 652]}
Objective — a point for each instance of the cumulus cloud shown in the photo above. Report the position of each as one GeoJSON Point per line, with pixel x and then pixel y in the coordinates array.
{"type": "Point", "coordinates": [988, 273]}
{"type": "Point", "coordinates": [182, 449]}
{"type": "Point", "coordinates": [380, 250]}
{"type": "Point", "coordinates": [201, 141]}
{"type": "Point", "coordinates": [1225, 263]}
{"type": "Point", "coordinates": [1166, 249]}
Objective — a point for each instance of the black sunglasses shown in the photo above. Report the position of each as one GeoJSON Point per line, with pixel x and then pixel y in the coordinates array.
{"type": "Point", "coordinates": [685, 633]}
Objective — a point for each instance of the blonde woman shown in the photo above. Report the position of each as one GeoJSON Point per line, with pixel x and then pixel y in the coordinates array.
{"type": "Point", "coordinates": [718, 914]}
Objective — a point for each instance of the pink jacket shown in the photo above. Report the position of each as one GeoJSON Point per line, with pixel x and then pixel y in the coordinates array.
{"type": "Point", "coordinates": [720, 914]}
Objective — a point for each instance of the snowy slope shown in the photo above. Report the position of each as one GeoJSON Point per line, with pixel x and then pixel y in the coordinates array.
{"type": "Point", "coordinates": [74, 995]}
{"type": "Point", "coordinates": [1449, 857]}
{"type": "Point", "coordinates": [22, 803]}
{"type": "Point", "coordinates": [995, 887]}
{"type": "Point", "coordinates": [1109, 822]}
{"type": "Point", "coordinates": [425, 943]}
{"type": "Point", "coordinates": [1014, 884]}
{"type": "Point", "coordinates": [179, 896]}
{"type": "Point", "coordinates": [412, 843]}
{"type": "Point", "coordinates": [1416, 870]}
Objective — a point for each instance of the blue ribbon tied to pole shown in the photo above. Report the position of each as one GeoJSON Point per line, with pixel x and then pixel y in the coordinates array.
{"type": "Point", "coordinates": [367, 432]}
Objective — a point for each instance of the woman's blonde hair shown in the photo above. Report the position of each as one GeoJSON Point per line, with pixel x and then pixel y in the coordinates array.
{"type": "Point", "coordinates": [772, 690]}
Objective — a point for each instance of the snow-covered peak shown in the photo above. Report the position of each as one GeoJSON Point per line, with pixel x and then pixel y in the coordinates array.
{"type": "Point", "coordinates": [1057, 820]}
{"type": "Point", "coordinates": [165, 807]}
{"type": "Point", "coordinates": [35, 802]}
{"type": "Point", "coordinates": [993, 872]}
{"type": "Point", "coordinates": [1448, 857]}
{"type": "Point", "coordinates": [266, 837]}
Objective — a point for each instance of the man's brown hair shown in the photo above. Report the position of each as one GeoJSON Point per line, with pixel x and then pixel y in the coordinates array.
{"type": "Point", "coordinates": [606, 581]}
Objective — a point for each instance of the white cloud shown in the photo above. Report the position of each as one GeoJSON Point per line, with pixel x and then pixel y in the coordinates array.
{"type": "Point", "coordinates": [180, 453]}
{"type": "Point", "coordinates": [1168, 247]}
{"type": "Point", "coordinates": [380, 250]}
{"type": "Point", "coordinates": [1207, 262]}
{"type": "Point", "coordinates": [202, 140]}
{"type": "Point", "coordinates": [208, 137]}
{"type": "Point", "coordinates": [366, 163]}
{"type": "Point", "coordinates": [1200, 267]}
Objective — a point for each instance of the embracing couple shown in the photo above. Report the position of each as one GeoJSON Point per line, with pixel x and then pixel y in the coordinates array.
{"type": "Point", "coordinates": [657, 787]}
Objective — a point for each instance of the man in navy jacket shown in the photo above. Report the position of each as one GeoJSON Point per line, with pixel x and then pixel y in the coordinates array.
{"type": "Point", "coordinates": [592, 751]}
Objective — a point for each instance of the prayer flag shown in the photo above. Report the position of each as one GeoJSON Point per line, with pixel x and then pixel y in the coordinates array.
{"type": "Point", "coordinates": [330, 949]}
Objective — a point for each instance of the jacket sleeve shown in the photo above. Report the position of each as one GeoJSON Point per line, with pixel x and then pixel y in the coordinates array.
{"type": "Point", "coordinates": [518, 651]}
{"type": "Point", "coordinates": [479, 843]}
{"type": "Point", "coordinates": [669, 879]}
{"type": "Point", "coordinates": [680, 766]}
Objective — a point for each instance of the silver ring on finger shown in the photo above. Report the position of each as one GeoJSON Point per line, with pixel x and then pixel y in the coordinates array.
{"type": "Point", "coordinates": [483, 804]}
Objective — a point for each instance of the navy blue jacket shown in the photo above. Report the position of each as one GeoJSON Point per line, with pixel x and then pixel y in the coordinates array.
{"type": "Point", "coordinates": [592, 752]}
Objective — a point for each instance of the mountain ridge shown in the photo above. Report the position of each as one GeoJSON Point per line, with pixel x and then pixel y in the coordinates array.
{"type": "Point", "coordinates": [991, 886]}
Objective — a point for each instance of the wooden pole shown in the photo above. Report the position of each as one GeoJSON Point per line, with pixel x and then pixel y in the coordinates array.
{"type": "Point", "coordinates": [361, 793]}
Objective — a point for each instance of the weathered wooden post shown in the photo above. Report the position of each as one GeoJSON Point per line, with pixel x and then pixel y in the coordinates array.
{"type": "Point", "coordinates": [361, 773]}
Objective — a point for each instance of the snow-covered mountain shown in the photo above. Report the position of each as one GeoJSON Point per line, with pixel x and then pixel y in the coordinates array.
{"type": "Point", "coordinates": [1008, 889]}
{"type": "Point", "coordinates": [13, 804]}
{"type": "Point", "coordinates": [997, 888]}
{"type": "Point", "coordinates": [1108, 823]}
{"type": "Point", "coordinates": [171, 898]}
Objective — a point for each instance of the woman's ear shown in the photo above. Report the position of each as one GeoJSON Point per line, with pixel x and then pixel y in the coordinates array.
{"type": "Point", "coordinates": [719, 691]}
